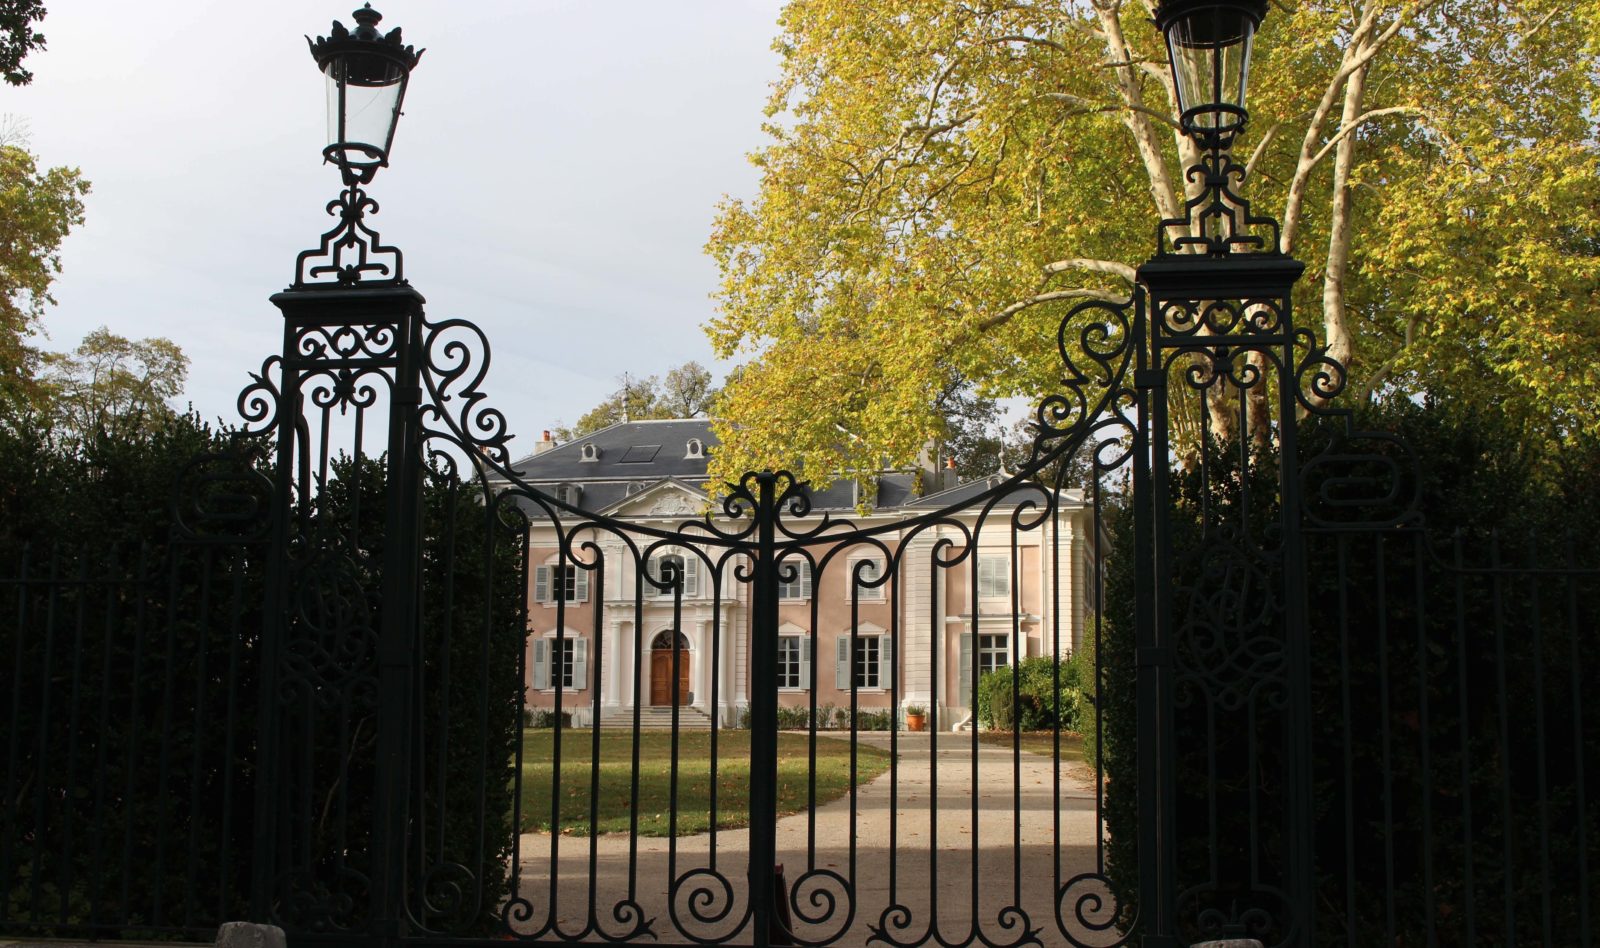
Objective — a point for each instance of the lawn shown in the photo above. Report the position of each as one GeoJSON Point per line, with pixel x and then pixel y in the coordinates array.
{"type": "Point", "coordinates": [1037, 742]}
{"type": "Point", "coordinates": [694, 778]}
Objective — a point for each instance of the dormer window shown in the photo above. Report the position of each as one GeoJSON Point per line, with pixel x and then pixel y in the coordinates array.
{"type": "Point", "coordinates": [696, 449]}
{"type": "Point", "coordinates": [634, 487]}
{"type": "Point", "coordinates": [569, 494]}
{"type": "Point", "coordinates": [591, 453]}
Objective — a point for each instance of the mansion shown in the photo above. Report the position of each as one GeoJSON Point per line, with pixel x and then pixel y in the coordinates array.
{"type": "Point", "coordinates": [1027, 591]}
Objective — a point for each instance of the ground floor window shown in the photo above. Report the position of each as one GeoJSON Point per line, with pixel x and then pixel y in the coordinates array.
{"type": "Point", "coordinates": [994, 652]}
{"type": "Point", "coordinates": [867, 663]}
{"type": "Point", "coordinates": [560, 662]}
{"type": "Point", "coordinates": [793, 666]}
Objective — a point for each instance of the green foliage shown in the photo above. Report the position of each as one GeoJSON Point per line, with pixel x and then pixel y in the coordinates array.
{"type": "Point", "coordinates": [686, 392]}
{"type": "Point", "coordinates": [18, 38]}
{"type": "Point", "coordinates": [1439, 707]}
{"type": "Point", "coordinates": [110, 383]}
{"type": "Point", "coordinates": [133, 689]}
{"type": "Point", "coordinates": [1047, 693]}
{"type": "Point", "coordinates": [944, 179]}
{"type": "Point", "coordinates": [37, 210]}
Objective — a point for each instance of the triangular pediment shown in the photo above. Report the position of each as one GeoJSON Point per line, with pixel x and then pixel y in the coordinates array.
{"type": "Point", "coordinates": [668, 497]}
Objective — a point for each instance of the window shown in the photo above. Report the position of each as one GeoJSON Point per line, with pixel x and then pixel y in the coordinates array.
{"type": "Point", "coordinates": [561, 662]}
{"type": "Point", "coordinates": [867, 663]}
{"type": "Point", "coordinates": [867, 570]}
{"type": "Point", "coordinates": [591, 453]}
{"type": "Point", "coordinates": [800, 588]}
{"type": "Point", "coordinates": [568, 582]}
{"type": "Point", "coordinates": [994, 652]}
{"type": "Point", "coordinates": [794, 661]}
{"type": "Point", "coordinates": [674, 570]}
{"type": "Point", "coordinates": [868, 667]}
{"type": "Point", "coordinates": [569, 494]}
{"type": "Point", "coordinates": [994, 577]}
{"type": "Point", "coordinates": [696, 449]}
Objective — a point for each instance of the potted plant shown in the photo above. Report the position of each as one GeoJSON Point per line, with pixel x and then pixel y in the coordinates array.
{"type": "Point", "coordinates": [916, 717]}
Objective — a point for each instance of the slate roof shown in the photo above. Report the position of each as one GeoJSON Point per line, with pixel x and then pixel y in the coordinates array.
{"type": "Point", "coordinates": [635, 455]}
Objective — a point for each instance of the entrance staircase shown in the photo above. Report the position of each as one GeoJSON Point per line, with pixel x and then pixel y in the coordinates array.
{"type": "Point", "coordinates": [657, 718]}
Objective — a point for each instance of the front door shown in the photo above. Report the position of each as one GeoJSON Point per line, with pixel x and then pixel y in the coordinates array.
{"type": "Point", "coordinates": [661, 676]}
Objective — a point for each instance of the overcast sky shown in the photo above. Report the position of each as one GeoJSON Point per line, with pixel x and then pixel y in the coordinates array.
{"type": "Point", "coordinates": [553, 178]}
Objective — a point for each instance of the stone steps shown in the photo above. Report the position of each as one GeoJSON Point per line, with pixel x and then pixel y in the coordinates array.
{"type": "Point", "coordinates": [655, 718]}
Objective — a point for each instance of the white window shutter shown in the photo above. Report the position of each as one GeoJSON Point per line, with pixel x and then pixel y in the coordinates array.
{"type": "Point", "coordinates": [964, 688]}
{"type": "Point", "coordinates": [691, 577]}
{"type": "Point", "coordinates": [541, 583]}
{"type": "Point", "coordinates": [580, 584]}
{"type": "Point", "coordinates": [885, 660]}
{"type": "Point", "coordinates": [541, 663]}
{"type": "Point", "coordinates": [841, 663]}
{"type": "Point", "coordinates": [805, 580]}
{"type": "Point", "coordinates": [580, 663]}
{"type": "Point", "coordinates": [805, 661]}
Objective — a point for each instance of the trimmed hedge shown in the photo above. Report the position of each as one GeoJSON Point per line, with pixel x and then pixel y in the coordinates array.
{"type": "Point", "coordinates": [1440, 712]}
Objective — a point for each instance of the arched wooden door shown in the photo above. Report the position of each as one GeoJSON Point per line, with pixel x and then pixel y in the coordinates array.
{"type": "Point", "coordinates": [661, 660]}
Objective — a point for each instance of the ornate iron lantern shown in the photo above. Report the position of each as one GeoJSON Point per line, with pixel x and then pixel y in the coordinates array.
{"type": "Point", "coordinates": [366, 74]}
{"type": "Point", "coordinates": [1209, 43]}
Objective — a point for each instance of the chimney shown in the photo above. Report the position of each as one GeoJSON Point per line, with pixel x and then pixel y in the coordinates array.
{"type": "Point", "coordinates": [949, 479]}
{"type": "Point", "coordinates": [544, 444]}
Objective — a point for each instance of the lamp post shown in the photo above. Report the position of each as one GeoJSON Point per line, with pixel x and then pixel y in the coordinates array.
{"type": "Point", "coordinates": [347, 383]}
{"type": "Point", "coordinates": [1217, 321]}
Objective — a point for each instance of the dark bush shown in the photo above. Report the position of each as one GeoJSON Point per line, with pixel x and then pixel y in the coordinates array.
{"type": "Point", "coordinates": [1449, 707]}
{"type": "Point", "coordinates": [132, 571]}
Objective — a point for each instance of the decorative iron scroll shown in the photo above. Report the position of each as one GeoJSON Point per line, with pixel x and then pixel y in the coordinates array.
{"type": "Point", "coordinates": [1094, 410]}
{"type": "Point", "coordinates": [1217, 221]}
{"type": "Point", "coordinates": [351, 253]}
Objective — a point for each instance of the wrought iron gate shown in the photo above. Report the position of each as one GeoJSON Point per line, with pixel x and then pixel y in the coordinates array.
{"type": "Point", "coordinates": [409, 571]}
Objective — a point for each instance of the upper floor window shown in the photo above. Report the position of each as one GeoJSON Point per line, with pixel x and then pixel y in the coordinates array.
{"type": "Point", "coordinates": [994, 577]}
{"type": "Point", "coordinates": [569, 494]}
{"type": "Point", "coordinates": [672, 571]}
{"type": "Point", "coordinates": [695, 449]}
{"type": "Point", "coordinates": [567, 583]}
{"type": "Point", "coordinates": [800, 586]}
{"type": "Point", "coordinates": [863, 571]}
{"type": "Point", "coordinates": [591, 453]}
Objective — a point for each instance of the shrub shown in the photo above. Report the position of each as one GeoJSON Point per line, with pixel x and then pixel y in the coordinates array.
{"type": "Point", "coordinates": [1041, 698]}
{"type": "Point", "coordinates": [1406, 763]}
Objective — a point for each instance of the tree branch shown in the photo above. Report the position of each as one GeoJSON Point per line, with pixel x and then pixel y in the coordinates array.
{"type": "Point", "coordinates": [1361, 120]}
{"type": "Point", "coordinates": [1112, 267]}
{"type": "Point", "coordinates": [1004, 316]}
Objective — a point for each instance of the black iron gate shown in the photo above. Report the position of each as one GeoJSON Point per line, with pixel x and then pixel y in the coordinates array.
{"type": "Point", "coordinates": [421, 653]}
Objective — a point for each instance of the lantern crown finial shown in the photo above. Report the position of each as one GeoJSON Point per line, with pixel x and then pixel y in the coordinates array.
{"type": "Point", "coordinates": [365, 38]}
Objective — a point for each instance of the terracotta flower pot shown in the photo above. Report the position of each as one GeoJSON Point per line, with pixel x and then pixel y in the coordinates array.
{"type": "Point", "coordinates": [916, 722]}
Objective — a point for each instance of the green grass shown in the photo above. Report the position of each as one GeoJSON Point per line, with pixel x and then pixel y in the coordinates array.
{"type": "Point", "coordinates": [694, 778]}
{"type": "Point", "coordinates": [1037, 742]}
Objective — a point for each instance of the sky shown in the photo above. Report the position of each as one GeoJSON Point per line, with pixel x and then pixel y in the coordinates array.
{"type": "Point", "coordinates": [553, 178]}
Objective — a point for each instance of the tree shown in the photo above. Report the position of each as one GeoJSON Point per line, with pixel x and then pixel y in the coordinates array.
{"type": "Point", "coordinates": [946, 178]}
{"type": "Point", "coordinates": [686, 392]}
{"type": "Point", "coordinates": [37, 210]}
{"type": "Point", "coordinates": [110, 383]}
{"type": "Point", "coordinates": [18, 37]}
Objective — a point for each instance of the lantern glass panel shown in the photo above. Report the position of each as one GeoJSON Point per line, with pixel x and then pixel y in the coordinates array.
{"type": "Point", "coordinates": [1210, 51]}
{"type": "Point", "coordinates": [364, 95]}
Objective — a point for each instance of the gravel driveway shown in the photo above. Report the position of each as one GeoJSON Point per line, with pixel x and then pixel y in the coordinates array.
{"type": "Point", "coordinates": [1014, 803]}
